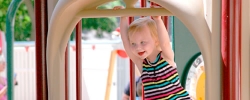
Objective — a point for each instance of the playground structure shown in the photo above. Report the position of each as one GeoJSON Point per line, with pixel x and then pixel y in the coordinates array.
{"type": "Point", "coordinates": [221, 75]}
{"type": "Point", "coordinates": [25, 65]}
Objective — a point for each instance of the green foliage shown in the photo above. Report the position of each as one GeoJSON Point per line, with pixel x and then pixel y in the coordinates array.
{"type": "Point", "coordinates": [110, 5]}
{"type": "Point", "coordinates": [22, 27]}
{"type": "Point", "coordinates": [3, 10]}
{"type": "Point", "coordinates": [107, 24]}
{"type": "Point", "coordinates": [23, 24]}
{"type": "Point", "coordinates": [99, 24]}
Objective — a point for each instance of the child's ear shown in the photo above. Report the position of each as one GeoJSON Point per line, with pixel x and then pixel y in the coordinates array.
{"type": "Point", "coordinates": [156, 42]}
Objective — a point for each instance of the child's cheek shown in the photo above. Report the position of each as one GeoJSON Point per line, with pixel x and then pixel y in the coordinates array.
{"type": "Point", "coordinates": [133, 50]}
{"type": "Point", "coordinates": [144, 45]}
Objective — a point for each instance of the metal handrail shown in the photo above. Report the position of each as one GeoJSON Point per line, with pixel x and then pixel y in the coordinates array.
{"type": "Point", "coordinates": [10, 38]}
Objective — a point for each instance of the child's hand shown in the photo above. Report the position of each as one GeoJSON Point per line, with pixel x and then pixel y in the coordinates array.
{"type": "Point", "coordinates": [155, 17]}
{"type": "Point", "coordinates": [118, 7]}
{"type": "Point", "coordinates": [15, 81]}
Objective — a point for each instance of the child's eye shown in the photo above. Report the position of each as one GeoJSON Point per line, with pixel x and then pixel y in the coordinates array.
{"type": "Point", "coordinates": [142, 42]}
{"type": "Point", "coordinates": [133, 44]}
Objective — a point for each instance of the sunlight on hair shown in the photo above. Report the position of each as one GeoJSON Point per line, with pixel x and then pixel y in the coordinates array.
{"type": "Point", "coordinates": [140, 23]}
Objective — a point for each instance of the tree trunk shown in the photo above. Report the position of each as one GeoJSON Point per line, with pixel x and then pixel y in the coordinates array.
{"type": "Point", "coordinates": [31, 13]}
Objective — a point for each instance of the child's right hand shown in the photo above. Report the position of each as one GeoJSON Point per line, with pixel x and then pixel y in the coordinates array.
{"type": "Point", "coordinates": [118, 7]}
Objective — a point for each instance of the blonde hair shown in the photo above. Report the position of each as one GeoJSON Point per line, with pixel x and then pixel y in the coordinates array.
{"type": "Point", "coordinates": [140, 23]}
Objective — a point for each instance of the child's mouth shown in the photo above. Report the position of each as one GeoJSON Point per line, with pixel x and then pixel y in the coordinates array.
{"type": "Point", "coordinates": [141, 53]}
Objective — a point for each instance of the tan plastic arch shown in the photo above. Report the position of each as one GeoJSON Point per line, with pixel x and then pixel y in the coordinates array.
{"type": "Point", "coordinates": [68, 12]}
{"type": "Point", "coordinates": [245, 51]}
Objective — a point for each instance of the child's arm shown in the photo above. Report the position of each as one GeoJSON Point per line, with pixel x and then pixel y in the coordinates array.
{"type": "Point", "coordinates": [125, 39]}
{"type": "Point", "coordinates": [167, 52]}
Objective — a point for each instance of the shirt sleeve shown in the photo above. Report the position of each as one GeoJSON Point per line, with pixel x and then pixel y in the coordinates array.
{"type": "Point", "coordinates": [127, 89]}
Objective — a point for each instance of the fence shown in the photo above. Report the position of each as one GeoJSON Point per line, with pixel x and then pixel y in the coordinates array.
{"type": "Point", "coordinates": [95, 63]}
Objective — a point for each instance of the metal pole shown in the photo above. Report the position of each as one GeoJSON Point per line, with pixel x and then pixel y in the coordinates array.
{"type": "Point", "coordinates": [165, 20]}
{"type": "Point", "coordinates": [79, 60]}
{"type": "Point", "coordinates": [225, 21]}
{"type": "Point", "coordinates": [10, 38]}
{"type": "Point", "coordinates": [231, 49]}
{"type": "Point", "coordinates": [41, 16]}
{"type": "Point", "coordinates": [143, 4]}
{"type": "Point", "coordinates": [67, 72]}
{"type": "Point", "coordinates": [236, 50]}
{"type": "Point", "coordinates": [171, 31]}
{"type": "Point", "coordinates": [132, 72]}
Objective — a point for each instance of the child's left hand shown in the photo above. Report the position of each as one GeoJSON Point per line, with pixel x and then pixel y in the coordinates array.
{"type": "Point", "coordinates": [155, 17]}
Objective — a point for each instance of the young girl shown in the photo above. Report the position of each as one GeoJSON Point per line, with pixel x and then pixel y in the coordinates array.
{"type": "Point", "coordinates": [3, 81]}
{"type": "Point", "coordinates": [147, 43]}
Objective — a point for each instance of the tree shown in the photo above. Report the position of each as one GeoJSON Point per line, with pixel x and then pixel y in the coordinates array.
{"type": "Point", "coordinates": [3, 10]}
{"type": "Point", "coordinates": [22, 27]}
{"type": "Point", "coordinates": [30, 8]}
{"type": "Point", "coordinates": [107, 24]}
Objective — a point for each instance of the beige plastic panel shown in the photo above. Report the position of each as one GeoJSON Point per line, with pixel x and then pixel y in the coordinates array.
{"type": "Point", "coordinates": [245, 51]}
{"type": "Point", "coordinates": [213, 72]}
{"type": "Point", "coordinates": [68, 12]}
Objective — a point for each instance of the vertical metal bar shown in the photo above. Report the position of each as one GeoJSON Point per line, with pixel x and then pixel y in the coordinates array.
{"type": "Point", "coordinates": [131, 19]}
{"type": "Point", "coordinates": [225, 34]}
{"type": "Point", "coordinates": [143, 4]}
{"type": "Point", "coordinates": [132, 80]}
{"type": "Point", "coordinates": [10, 38]}
{"type": "Point", "coordinates": [231, 49]}
{"type": "Point", "coordinates": [171, 29]}
{"type": "Point", "coordinates": [236, 50]}
{"type": "Point", "coordinates": [67, 72]}
{"type": "Point", "coordinates": [165, 19]}
{"type": "Point", "coordinates": [142, 97]}
{"type": "Point", "coordinates": [41, 42]}
{"type": "Point", "coordinates": [151, 4]}
{"type": "Point", "coordinates": [132, 72]}
{"type": "Point", "coordinates": [79, 60]}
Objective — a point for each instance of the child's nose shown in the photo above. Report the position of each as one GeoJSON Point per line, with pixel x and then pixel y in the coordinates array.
{"type": "Point", "coordinates": [138, 48]}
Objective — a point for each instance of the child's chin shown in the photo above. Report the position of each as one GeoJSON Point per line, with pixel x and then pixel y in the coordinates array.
{"type": "Point", "coordinates": [142, 57]}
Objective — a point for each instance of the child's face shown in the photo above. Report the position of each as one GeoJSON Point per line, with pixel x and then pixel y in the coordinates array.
{"type": "Point", "coordinates": [142, 43]}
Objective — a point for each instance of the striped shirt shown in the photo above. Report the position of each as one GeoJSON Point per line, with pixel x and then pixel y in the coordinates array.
{"type": "Point", "coordinates": [161, 81]}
